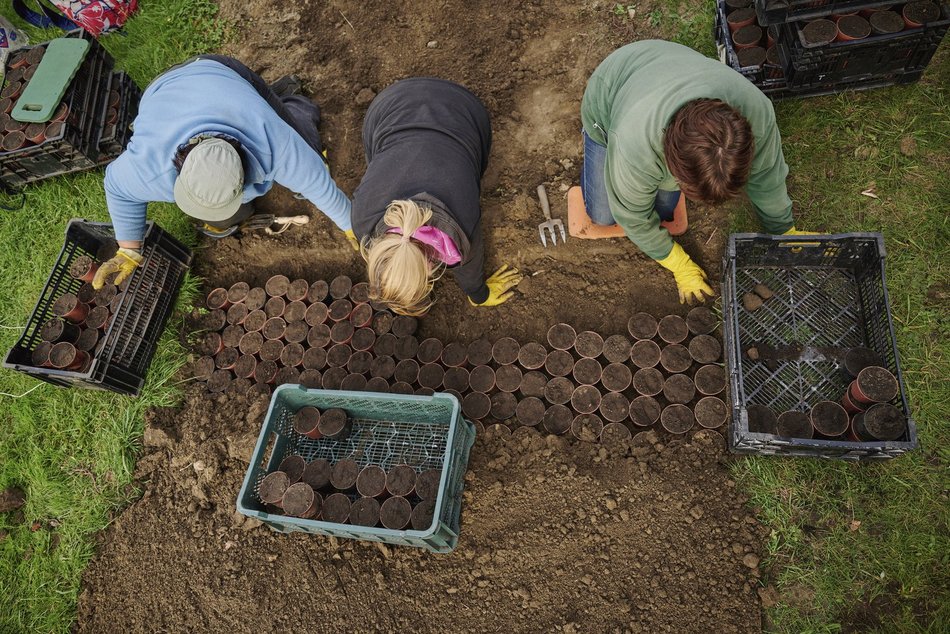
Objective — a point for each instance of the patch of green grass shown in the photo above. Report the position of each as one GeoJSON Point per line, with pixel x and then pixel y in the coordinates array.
{"type": "Point", "coordinates": [73, 451]}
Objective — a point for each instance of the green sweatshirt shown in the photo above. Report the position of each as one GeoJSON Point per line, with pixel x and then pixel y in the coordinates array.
{"type": "Point", "coordinates": [627, 105]}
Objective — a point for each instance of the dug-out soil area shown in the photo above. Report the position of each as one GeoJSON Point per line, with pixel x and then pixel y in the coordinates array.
{"type": "Point", "coordinates": [556, 535]}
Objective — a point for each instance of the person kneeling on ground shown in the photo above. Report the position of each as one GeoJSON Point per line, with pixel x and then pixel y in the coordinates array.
{"type": "Point", "coordinates": [416, 210]}
{"type": "Point", "coordinates": [663, 123]}
{"type": "Point", "coordinates": [212, 136]}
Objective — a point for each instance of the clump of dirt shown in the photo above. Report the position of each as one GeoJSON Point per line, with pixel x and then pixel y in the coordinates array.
{"type": "Point", "coordinates": [557, 535]}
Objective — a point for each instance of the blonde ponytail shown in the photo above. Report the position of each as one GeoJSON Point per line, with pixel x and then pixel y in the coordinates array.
{"type": "Point", "coordinates": [401, 274]}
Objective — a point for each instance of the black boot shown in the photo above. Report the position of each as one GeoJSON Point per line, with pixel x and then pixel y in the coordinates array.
{"type": "Point", "coordinates": [287, 85]}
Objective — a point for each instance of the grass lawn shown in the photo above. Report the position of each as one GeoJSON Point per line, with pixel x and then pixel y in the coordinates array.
{"type": "Point", "coordinates": [851, 545]}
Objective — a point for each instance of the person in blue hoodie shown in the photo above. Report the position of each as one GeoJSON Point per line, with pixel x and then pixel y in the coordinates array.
{"type": "Point", "coordinates": [212, 136]}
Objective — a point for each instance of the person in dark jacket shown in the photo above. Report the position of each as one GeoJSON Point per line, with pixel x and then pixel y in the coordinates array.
{"type": "Point", "coordinates": [416, 212]}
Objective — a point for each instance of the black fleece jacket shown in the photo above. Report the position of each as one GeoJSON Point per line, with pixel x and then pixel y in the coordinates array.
{"type": "Point", "coordinates": [428, 140]}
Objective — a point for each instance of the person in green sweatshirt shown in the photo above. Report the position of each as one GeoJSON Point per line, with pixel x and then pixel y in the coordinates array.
{"type": "Point", "coordinates": [663, 123]}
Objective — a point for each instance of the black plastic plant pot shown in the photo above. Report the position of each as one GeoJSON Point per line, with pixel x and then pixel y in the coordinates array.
{"type": "Point", "coordinates": [58, 329]}
{"type": "Point", "coordinates": [427, 484]}
{"type": "Point", "coordinates": [885, 422]}
{"type": "Point", "coordinates": [859, 358]}
{"type": "Point", "coordinates": [794, 424]}
{"type": "Point", "coordinates": [422, 515]}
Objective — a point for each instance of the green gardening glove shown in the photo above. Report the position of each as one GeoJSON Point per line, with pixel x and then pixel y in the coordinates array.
{"type": "Point", "coordinates": [122, 264]}
{"type": "Point", "coordinates": [499, 286]}
{"type": "Point", "coordinates": [690, 279]}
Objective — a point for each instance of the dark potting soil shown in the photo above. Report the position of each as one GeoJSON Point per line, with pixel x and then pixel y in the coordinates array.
{"type": "Point", "coordinates": [587, 371]}
{"type": "Point", "coordinates": [854, 27]}
{"type": "Point", "coordinates": [878, 384]}
{"type": "Point", "coordinates": [227, 358]}
{"type": "Point", "coordinates": [359, 362]}
{"type": "Point", "coordinates": [530, 411]}
{"type": "Point", "coordinates": [705, 349]}
{"type": "Point", "coordinates": [317, 473]}
{"type": "Point", "coordinates": [589, 344]}
{"type": "Point", "coordinates": [431, 375]}
{"type": "Point", "coordinates": [673, 329]}
{"type": "Point", "coordinates": [677, 419]}
{"type": "Point", "coordinates": [884, 22]}
{"type": "Point", "coordinates": [255, 320]}
{"type": "Point", "coordinates": [427, 484]}
{"type": "Point", "coordinates": [365, 512]}
{"type": "Point", "coordinates": [422, 514]}
{"type": "Point", "coordinates": [648, 381]}
{"type": "Point", "coordinates": [505, 351]}
{"type": "Point", "coordinates": [644, 411]}
{"type": "Point", "coordinates": [508, 378]}
{"type": "Point", "coordinates": [794, 424]}
{"type": "Point", "coordinates": [532, 356]}
{"type": "Point", "coordinates": [617, 349]}
{"type": "Point", "coordinates": [333, 423]}
{"type": "Point", "coordinates": [616, 377]}
{"type": "Point", "coordinates": [350, 383]}
{"type": "Point", "coordinates": [277, 285]}
{"type": "Point", "coordinates": [476, 405]}
{"type": "Point", "coordinates": [561, 336]}
{"type": "Point", "coordinates": [245, 366]}
{"type": "Point", "coordinates": [65, 304]}
{"type": "Point", "coordinates": [238, 292]}
{"type": "Point", "coordinates": [407, 347]}
{"type": "Point", "coordinates": [87, 340]}
{"type": "Point", "coordinates": [395, 513]}
{"type": "Point", "coordinates": [220, 379]}
{"type": "Point", "coordinates": [859, 358]}
{"type": "Point", "coordinates": [642, 326]}
{"type": "Point", "coordinates": [482, 378]}
{"type": "Point", "coordinates": [231, 336]}
{"type": "Point", "coordinates": [922, 12]}
{"type": "Point", "coordinates": [363, 339]}
{"type": "Point", "coordinates": [614, 407]}
{"type": "Point", "coordinates": [747, 36]}
{"type": "Point", "coordinates": [701, 321]}
{"type": "Point", "coordinates": [275, 307]}
{"type": "Point", "coordinates": [338, 355]}
{"type": "Point", "coordinates": [404, 326]}
{"type": "Point", "coordinates": [371, 482]}
{"type": "Point", "coordinates": [710, 412]}
{"type": "Point", "coordinates": [741, 15]}
{"type": "Point", "coordinates": [344, 474]}
{"type": "Point", "coordinates": [558, 390]}
{"type": "Point", "coordinates": [503, 405]}
{"type": "Point", "coordinates": [614, 435]}
{"type": "Point", "coordinates": [299, 500]}
{"type": "Point", "coordinates": [340, 287]}
{"type": "Point", "coordinates": [298, 290]}
{"type": "Point", "coordinates": [319, 336]}
{"type": "Point", "coordinates": [106, 295]}
{"type": "Point", "coordinates": [675, 358]}
{"type": "Point", "coordinates": [293, 466]}
{"type": "Point", "coordinates": [559, 363]}
{"type": "Point", "coordinates": [587, 427]}
{"type": "Point", "coordinates": [256, 298]}
{"type": "Point", "coordinates": [456, 379]}
{"type": "Point", "coordinates": [557, 419]}
{"type": "Point", "coordinates": [203, 368]}
{"type": "Point", "coordinates": [585, 399]}
{"type": "Point", "coordinates": [430, 350]}
{"type": "Point", "coordinates": [273, 487]}
{"type": "Point", "coordinates": [710, 380]}
{"type": "Point", "coordinates": [336, 508]}
{"type": "Point", "coordinates": [645, 354]}
{"type": "Point", "coordinates": [407, 371]}
{"type": "Point", "coordinates": [236, 314]}
{"type": "Point", "coordinates": [819, 32]}
{"type": "Point", "coordinates": [295, 311]}
{"type": "Point", "coordinates": [80, 266]}
{"type": "Point", "coordinates": [454, 355]}
{"type": "Point", "coordinates": [479, 352]}
{"type": "Point", "coordinates": [679, 388]}
{"type": "Point", "coordinates": [829, 418]}
{"type": "Point", "coordinates": [885, 422]}
{"type": "Point", "coordinates": [401, 480]}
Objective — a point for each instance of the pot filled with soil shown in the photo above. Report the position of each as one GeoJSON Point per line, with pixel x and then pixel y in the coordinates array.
{"type": "Point", "coordinates": [644, 411]}
{"type": "Point", "coordinates": [642, 326]}
{"type": "Point", "coordinates": [645, 354]}
{"type": "Point", "coordinates": [750, 56]}
{"type": "Point", "coordinates": [829, 419]}
{"type": "Point", "coordinates": [740, 18]}
{"type": "Point", "coordinates": [917, 14]}
{"type": "Point", "coordinates": [852, 27]}
{"type": "Point", "coordinates": [747, 37]}
{"type": "Point", "coordinates": [794, 424]}
{"type": "Point", "coordinates": [873, 385]}
{"type": "Point", "coordinates": [710, 380]}
{"type": "Point", "coordinates": [886, 22]}
{"type": "Point", "coordinates": [673, 329]}
{"type": "Point", "coordinates": [820, 32]}
{"type": "Point", "coordinates": [762, 420]}
{"type": "Point", "coordinates": [711, 412]}
{"type": "Point", "coordinates": [677, 419]}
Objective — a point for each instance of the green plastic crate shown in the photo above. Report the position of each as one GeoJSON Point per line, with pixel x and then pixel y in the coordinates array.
{"type": "Point", "coordinates": [425, 432]}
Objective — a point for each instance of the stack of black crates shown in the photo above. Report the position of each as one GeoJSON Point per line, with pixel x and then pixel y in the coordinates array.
{"type": "Point", "coordinates": [818, 47]}
{"type": "Point", "coordinates": [90, 127]}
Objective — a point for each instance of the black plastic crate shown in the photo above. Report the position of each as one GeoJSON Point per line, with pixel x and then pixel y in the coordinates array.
{"type": "Point", "coordinates": [114, 137]}
{"type": "Point", "coordinates": [76, 148]}
{"type": "Point", "coordinates": [892, 58]}
{"type": "Point", "coordinates": [772, 12]}
{"type": "Point", "coordinates": [830, 296]}
{"type": "Point", "coordinates": [125, 351]}
{"type": "Point", "coordinates": [769, 78]}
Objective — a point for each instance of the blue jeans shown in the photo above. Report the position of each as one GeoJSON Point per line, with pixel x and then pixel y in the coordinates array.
{"type": "Point", "coordinates": [594, 187]}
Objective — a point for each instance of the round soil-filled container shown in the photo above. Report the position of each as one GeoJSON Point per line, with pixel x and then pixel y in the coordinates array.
{"type": "Point", "coordinates": [679, 388]}
{"type": "Point", "coordinates": [508, 378]}
{"type": "Point", "coordinates": [335, 424]}
{"type": "Point", "coordinates": [739, 18]}
{"type": "Point", "coordinates": [359, 362]}
{"type": "Point", "coordinates": [382, 367]}
{"type": "Point", "coordinates": [454, 355]}
{"type": "Point", "coordinates": [430, 350]}
{"type": "Point", "coordinates": [340, 287]}
{"type": "Point", "coordinates": [70, 308]}
{"type": "Point", "coordinates": [587, 427]}
{"type": "Point", "coordinates": [395, 513]}
{"type": "Point", "coordinates": [829, 419]}
{"type": "Point", "coordinates": [558, 390]}
{"type": "Point", "coordinates": [40, 359]}
{"type": "Point", "coordinates": [209, 344]}
{"type": "Point", "coordinates": [885, 422]}
{"type": "Point", "coordinates": [588, 371]}
{"type": "Point", "coordinates": [677, 419]}
{"type": "Point", "coordinates": [363, 339]}
{"type": "Point", "coordinates": [238, 292]}
{"type": "Point", "coordinates": [318, 336]}
{"type": "Point", "coordinates": [456, 379]}
{"type": "Point", "coordinates": [617, 349]}
{"type": "Point", "coordinates": [711, 412]}
{"type": "Point", "coordinates": [644, 411]}
{"type": "Point", "coordinates": [274, 307]}
{"type": "Point", "coordinates": [479, 352]}
{"type": "Point", "coordinates": [431, 375]}
{"type": "Point", "coordinates": [318, 291]}
{"type": "Point", "coordinates": [559, 363]}
{"type": "Point", "coordinates": [58, 329]}
{"type": "Point", "coordinates": [273, 487]}
{"type": "Point", "coordinates": [365, 512]}
{"type": "Point", "coordinates": [230, 336]}
{"type": "Point", "coordinates": [406, 348]}
{"type": "Point", "coordinates": [710, 380]}
{"type": "Point", "coordinates": [316, 314]}
{"type": "Point", "coordinates": [277, 285]}
{"type": "Point", "coordinates": [673, 329]}
{"type": "Point", "coordinates": [245, 366]}
{"type": "Point", "coordinates": [503, 405]}
{"type": "Point", "coordinates": [274, 328]}
{"type": "Point", "coordinates": [642, 326]}
{"type": "Point", "coordinates": [423, 514]}
{"type": "Point", "coordinates": [107, 294]}
{"type": "Point", "coordinates": [226, 359]}
{"type": "Point", "coordinates": [382, 323]}
{"type": "Point", "coordinates": [218, 299]}
{"type": "Point", "coordinates": [794, 424]}
{"type": "Point", "coordinates": [585, 399]}
{"type": "Point", "coordinates": [476, 405]}
{"type": "Point", "coordinates": [340, 310]}
{"type": "Point", "coordinates": [859, 358]}
{"type": "Point", "coordinates": [885, 22]}
{"type": "Point", "coordinates": [293, 466]}
{"type": "Point", "coordinates": [615, 434]}
{"type": "Point", "coordinates": [360, 293]}
{"type": "Point", "coordinates": [530, 411]}
{"type": "Point", "coordinates": [676, 358]}
{"type": "Point", "coordinates": [295, 311]}
{"type": "Point", "coordinates": [614, 407]}
{"type": "Point", "coordinates": [254, 321]}
{"type": "Point", "coordinates": [287, 376]}
{"type": "Point", "coordinates": [533, 383]}
{"type": "Point", "coordinates": [221, 379]}
{"type": "Point", "coordinates": [705, 349]}
{"type": "Point", "coordinates": [532, 356]}
{"type": "Point", "coordinates": [377, 384]}
{"type": "Point", "coordinates": [701, 321]}
{"type": "Point", "coordinates": [645, 354]}
{"type": "Point", "coordinates": [87, 295]}
{"type": "Point", "coordinates": [340, 332]}
{"type": "Point", "coordinates": [202, 369]}
{"type": "Point", "coordinates": [557, 419]}
{"type": "Point", "coordinates": [648, 381]}
{"type": "Point", "coordinates": [616, 377]}
{"type": "Point", "coordinates": [259, 390]}
{"type": "Point", "coordinates": [82, 268]}
{"type": "Point", "coordinates": [427, 484]}
{"type": "Point", "coordinates": [401, 480]}
{"type": "Point", "coordinates": [237, 313]}
{"type": "Point", "coordinates": [589, 344]}
{"type": "Point", "coordinates": [873, 385]}
{"type": "Point", "coordinates": [250, 343]}
{"type": "Point", "coordinates": [371, 482]}
{"type": "Point", "coordinates": [404, 326]}
{"type": "Point", "coordinates": [820, 32]}
{"type": "Point", "coordinates": [256, 298]}
{"type": "Point", "coordinates": [305, 422]}
{"type": "Point", "coordinates": [317, 473]}
{"type": "Point", "coordinates": [505, 351]}
{"type": "Point", "coordinates": [297, 290]}
{"type": "Point", "coordinates": [385, 345]}
{"type": "Point", "coordinates": [336, 508]}
{"type": "Point", "coordinates": [853, 27]}
{"type": "Point", "coordinates": [339, 355]}
{"type": "Point", "coordinates": [917, 14]}
{"type": "Point", "coordinates": [482, 378]}
{"type": "Point", "coordinates": [87, 340]}
{"type": "Point", "coordinates": [407, 371]}
{"type": "Point", "coordinates": [300, 500]}
{"type": "Point", "coordinates": [311, 379]}
{"type": "Point", "coordinates": [401, 387]}
{"type": "Point", "coordinates": [344, 474]}
{"type": "Point", "coordinates": [748, 38]}
{"type": "Point", "coordinates": [265, 372]}
{"type": "Point", "coordinates": [561, 336]}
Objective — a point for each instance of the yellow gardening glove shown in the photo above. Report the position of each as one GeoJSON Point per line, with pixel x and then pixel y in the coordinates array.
{"type": "Point", "coordinates": [690, 279]}
{"type": "Point", "coordinates": [499, 286]}
{"type": "Point", "coordinates": [795, 232]}
{"type": "Point", "coordinates": [351, 238]}
{"type": "Point", "coordinates": [123, 264]}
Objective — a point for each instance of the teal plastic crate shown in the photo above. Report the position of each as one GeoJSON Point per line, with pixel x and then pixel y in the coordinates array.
{"type": "Point", "coordinates": [425, 432]}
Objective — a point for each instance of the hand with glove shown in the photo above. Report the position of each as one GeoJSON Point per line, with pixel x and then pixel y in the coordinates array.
{"type": "Point", "coordinates": [795, 232]}
{"type": "Point", "coordinates": [351, 238]}
{"type": "Point", "coordinates": [690, 279]}
{"type": "Point", "coordinates": [499, 286]}
{"type": "Point", "coordinates": [123, 263]}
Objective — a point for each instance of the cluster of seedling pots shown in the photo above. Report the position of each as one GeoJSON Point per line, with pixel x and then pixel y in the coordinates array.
{"type": "Point", "coordinates": [864, 413]}
{"type": "Point", "coordinates": [754, 43]}
{"type": "Point", "coordinates": [14, 134]}
{"type": "Point", "coordinates": [72, 338]}
{"type": "Point", "coordinates": [344, 491]}
{"type": "Point", "coordinates": [869, 22]}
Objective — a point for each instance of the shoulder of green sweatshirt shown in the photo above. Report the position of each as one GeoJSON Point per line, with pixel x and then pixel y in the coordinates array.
{"type": "Point", "coordinates": [627, 105]}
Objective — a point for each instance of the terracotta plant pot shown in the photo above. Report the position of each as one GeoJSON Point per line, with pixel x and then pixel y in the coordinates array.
{"type": "Point", "coordinates": [873, 385]}
{"type": "Point", "coordinates": [829, 419]}
{"type": "Point", "coordinates": [886, 22]}
{"type": "Point", "coordinates": [917, 14]}
{"type": "Point", "coordinates": [740, 18]}
{"type": "Point", "coordinates": [70, 308]}
{"type": "Point", "coordinates": [852, 27]}
{"type": "Point", "coordinates": [13, 141]}
{"type": "Point", "coordinates": [747, 37]}
{"type": "Point", "coordinates": [820, 32]}
{"type": "Point", "coordinates": [751, 57]}
{"type": "Point", "coordinates": [66, 356]}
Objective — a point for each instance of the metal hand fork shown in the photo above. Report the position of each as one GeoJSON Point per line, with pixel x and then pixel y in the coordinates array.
{"type": "Point", "coordinates": [549, 224]}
